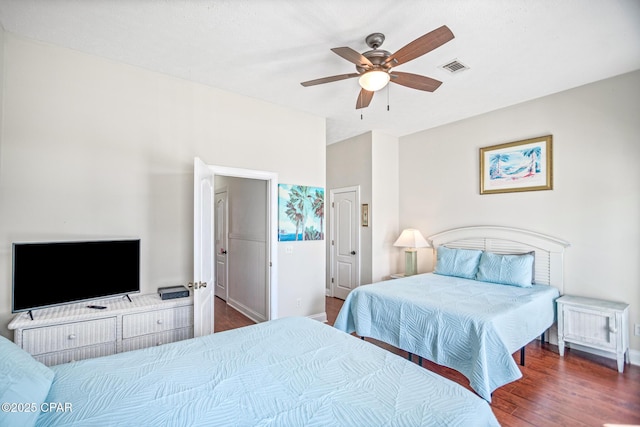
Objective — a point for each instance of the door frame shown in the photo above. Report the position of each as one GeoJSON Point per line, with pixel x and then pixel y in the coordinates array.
{"type": "Point", "coordinates": [332, 255]}
{"type": "Point", "coordinates": [272, 235]}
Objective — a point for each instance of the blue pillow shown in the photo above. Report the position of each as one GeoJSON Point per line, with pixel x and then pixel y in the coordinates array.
{"type": "Point", "coordinates": [23, 380]}
{"type": "Point", "coordinates": [457, 262]}
{"type": "Point", "coordinates": [514, 270]}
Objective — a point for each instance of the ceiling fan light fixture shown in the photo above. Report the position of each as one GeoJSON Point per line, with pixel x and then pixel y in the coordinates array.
{"type": "Point", "coordinates": [374, 80]}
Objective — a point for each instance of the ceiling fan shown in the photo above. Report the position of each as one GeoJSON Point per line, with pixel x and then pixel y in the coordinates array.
{"type": "Point", "coordinates": [374, 66]}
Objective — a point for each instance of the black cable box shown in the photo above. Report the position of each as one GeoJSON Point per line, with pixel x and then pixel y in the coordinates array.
{"type": "Point", "coordinates": [172, 292]}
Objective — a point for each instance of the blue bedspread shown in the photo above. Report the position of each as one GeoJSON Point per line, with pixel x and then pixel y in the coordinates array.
{"type": "Point", "coordinates": [473, 327]}
{"type": "Point", "coordinates": [287, 372]}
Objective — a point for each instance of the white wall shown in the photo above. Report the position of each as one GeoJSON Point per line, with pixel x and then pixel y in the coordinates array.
{"type": "Point", "coordinates": [384, 213]}
{"type": "Point", "coordinates": [595, 203]}
{"type": "Point", "coordinates": [95, 148]}
{"type": "Point", "coordinates": [1, 85]}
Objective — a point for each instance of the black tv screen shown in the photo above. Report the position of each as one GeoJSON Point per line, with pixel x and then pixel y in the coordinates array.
{"type": "Point", "coordinates": [54, 273]}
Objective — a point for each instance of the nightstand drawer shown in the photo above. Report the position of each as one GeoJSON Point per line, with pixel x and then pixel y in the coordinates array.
{"type": "Point", "coordinates": [590, 327]}
{"type": "Point", "coordinates": [152, 322]}
{"type": "Point", "coordinates": [71, 335]}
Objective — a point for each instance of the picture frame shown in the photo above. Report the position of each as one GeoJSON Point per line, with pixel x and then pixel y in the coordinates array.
{"type": "Point", "coordinates": [300, 213]}
{"type": "Point", "coordinates": [525, 165]}
{"type": "Point", "coordinates": [365, 215]}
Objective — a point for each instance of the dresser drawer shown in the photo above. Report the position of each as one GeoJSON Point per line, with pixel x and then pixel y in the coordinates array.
{"type": "Point", "coordinates": [152, 322]}
{"type": "Point", "coordinates": [152, 340]}
{"type": "Point", "coordinates": [70, 335]}
{"type": "Point", "coordinates": [75, 354]}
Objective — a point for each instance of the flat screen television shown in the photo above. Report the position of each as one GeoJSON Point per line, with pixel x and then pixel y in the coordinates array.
{"type": "Point", "coordinates": [53, 273]}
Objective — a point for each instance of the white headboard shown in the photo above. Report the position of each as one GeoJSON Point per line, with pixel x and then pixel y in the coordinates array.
{"type": "Point", "coordinates": [548, 250]}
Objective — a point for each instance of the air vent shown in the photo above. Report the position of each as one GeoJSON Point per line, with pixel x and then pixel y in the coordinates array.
{"type": "Point", "coordinates": [454, 66]}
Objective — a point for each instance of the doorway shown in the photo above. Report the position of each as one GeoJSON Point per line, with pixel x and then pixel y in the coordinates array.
{"type": "Point", "coordinates": [241, 244]}
{"type": "Point", "coordinates": [269, 266]}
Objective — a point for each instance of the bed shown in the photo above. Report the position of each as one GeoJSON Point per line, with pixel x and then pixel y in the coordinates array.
{"type": "Point", "coordinates": [472, 326]}
{"type": "Point", "coordinates": [285, 372]}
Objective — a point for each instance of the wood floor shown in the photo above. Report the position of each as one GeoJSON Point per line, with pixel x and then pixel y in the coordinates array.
{"type": "Point", "coordinates": [577, 390]}
{"type": "Point", "coordinates": [227, 318]}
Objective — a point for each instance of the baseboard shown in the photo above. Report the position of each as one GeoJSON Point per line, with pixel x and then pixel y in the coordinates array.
{"type": "Point", "coordinates": [256, 317]}
{"type": "Point", "coordinates": [634, 355]}
{"type": "Point", "coordinates": [320, 317]}
{"type": "Point", "coordinates": [328, 292]}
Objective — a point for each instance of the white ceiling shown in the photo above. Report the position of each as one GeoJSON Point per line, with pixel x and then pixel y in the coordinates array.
{"type": "Point", "coordinates": [517, 49]}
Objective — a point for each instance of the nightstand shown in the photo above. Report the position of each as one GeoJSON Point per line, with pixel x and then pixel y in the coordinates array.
{"type": "Point", "coordinates": [397, 275]}
{"type": "Point", "coordinates": [594, 323]}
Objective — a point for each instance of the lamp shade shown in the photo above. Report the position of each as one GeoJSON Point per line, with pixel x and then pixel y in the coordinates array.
{"type": "Point", "coordinates": [411, 238]}
{"type": "Point", "coordinates": [374, 80]}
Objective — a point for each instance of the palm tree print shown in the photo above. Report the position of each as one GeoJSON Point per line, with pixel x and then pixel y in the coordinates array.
{"type": "Point", "coordinates": [301, 210]}
{"type": "Point", "coordinates": [515, 164]}
{"type": "Point", "coordinates": [495, 165]}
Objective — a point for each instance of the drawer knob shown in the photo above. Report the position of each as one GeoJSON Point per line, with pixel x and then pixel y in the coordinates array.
{"type": "Point", "coordinates": [159, 343]}
{"type": "Point", "coordinates": [72, 336]}
{"type": "Point", "coordinates": [159, 322]}
{"type": "Point", "coordinates": [613, 329]}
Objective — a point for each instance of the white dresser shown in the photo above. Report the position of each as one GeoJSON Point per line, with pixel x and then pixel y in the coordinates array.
{"type": "Point", "coordinates": [594, 323]}
{"type": "Point", "coordinates": [75, 332]}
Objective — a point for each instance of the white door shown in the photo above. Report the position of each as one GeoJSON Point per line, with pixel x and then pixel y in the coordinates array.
{"type": "Point", "coordinates": [203, 266]}
{"type": "Point", "coordinates": [346, 244]}
{"type": "Point", "coordinates": [221, 245]}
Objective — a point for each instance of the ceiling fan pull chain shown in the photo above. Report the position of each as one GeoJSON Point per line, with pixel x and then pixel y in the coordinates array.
{"type": "Point", "coordinates": [388, 90]}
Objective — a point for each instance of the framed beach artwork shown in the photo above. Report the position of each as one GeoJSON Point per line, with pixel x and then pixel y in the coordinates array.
{"type": "Point", "coordinates": [517, 166]}
{"type": "Point", "coordinates": [300, 213]}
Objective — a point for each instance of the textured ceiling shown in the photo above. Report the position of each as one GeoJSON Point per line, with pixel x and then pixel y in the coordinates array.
{"type": "Point", "coordinates": [517, 50]}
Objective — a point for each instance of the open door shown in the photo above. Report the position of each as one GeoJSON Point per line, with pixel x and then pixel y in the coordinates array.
{"type": "Point", "coordinates": [203, 265]}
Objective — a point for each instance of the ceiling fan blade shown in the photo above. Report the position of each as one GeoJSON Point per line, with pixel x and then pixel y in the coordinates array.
{"type": "Point", "coordinates": [422, 45]}
{"type": "Point", "coordinates": [352, 56]}
{"type": "Point", "coordinates": [364, 99]}
{"type": "Point", "coordinates": [329, 79]}
{"type": "Point", "coordinates": [415, 81]}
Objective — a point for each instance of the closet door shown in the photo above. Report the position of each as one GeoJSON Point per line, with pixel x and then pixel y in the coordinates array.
{"type": "Point", "coordinates": [221, 245]}
{"type": "Point", "coordinates": [345, 243]}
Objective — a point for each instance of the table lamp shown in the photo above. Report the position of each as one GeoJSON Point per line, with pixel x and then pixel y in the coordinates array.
{"type": "Point", "coordinates": [411, 239]}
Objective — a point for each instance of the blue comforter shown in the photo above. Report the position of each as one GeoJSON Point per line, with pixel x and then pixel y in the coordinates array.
{"type": "Point", "coordinates": [473, 327]}
{"type": "Point", "coordinates": [287, 372]}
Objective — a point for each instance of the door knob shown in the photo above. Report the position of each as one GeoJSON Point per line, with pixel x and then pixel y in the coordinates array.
{"type": "Point", "coordinates": [353, 252]}
{"type": "Point", "coordinates": [197, 285]}
{"type": "Point", "coordinates": [223, 251]}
